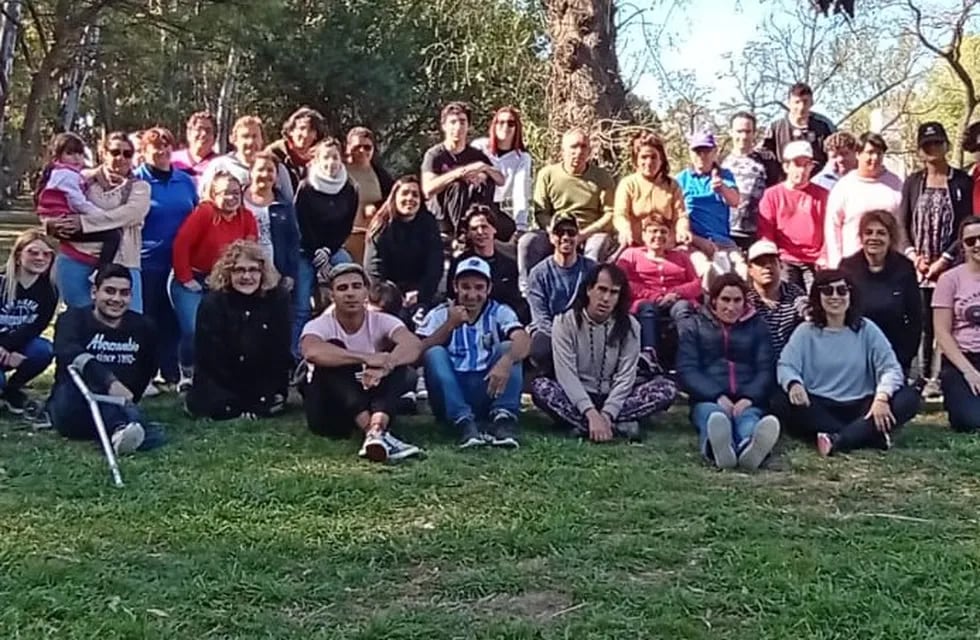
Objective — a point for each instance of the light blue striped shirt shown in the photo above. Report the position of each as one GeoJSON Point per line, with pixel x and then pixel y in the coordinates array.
{"type": "Point", "coordinates": [471, 345]}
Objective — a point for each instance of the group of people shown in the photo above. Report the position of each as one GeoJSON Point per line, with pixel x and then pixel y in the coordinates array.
{"type": "Point", "coordinates": [785, 286]}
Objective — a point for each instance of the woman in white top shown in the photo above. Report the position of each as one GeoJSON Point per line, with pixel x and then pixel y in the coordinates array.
{"type": "Point", "coordinates": [505, 148]}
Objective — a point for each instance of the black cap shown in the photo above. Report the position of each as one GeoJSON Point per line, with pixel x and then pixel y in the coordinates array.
{"type": "Point", "coordinates": [931, 132]}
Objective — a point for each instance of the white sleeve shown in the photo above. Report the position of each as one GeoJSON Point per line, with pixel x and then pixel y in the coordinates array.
{"type": "Point", "coordinates": [71, 183]}
{"type": "Point", "coordinates": [522, 189]}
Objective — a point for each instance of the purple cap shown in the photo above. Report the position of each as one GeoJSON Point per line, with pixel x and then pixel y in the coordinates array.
{"type": "Point", "coordinates": [702, 140]}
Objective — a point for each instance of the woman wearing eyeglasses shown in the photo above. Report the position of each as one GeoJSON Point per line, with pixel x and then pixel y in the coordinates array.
{"type": "Point", "coordinates": [956, 320]}
{"type": "Point", "coordinates": [373, 186]}
{"type": "Point", "coordinates": [841, 382]}
{"type": "Point", "coordinates": [124, 203]}
{"type": "Point", "coordinates": [505, 147]}
{"type": "Point", "coordinates": [241, 346]}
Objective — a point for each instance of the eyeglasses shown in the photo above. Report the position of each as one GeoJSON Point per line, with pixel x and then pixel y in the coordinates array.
{"type": "Point", "coordinates": [971, 241]}
{"type": "Point", "coordinates": [839, 290]}
{"type": "Point", "coordinates": [241, 271]}
{"type": "Point", "coordinates": [115, 153]}
{"type": "Point", "coordinates": [510, 124]}
{"type": "Point", "coordinates": [565, 232]}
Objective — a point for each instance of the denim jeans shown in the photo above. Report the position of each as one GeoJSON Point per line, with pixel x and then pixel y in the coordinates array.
{"type": "Point", "coordinates": [652, 316]}
{"type": "Point", "coordinates": [71, 417]}
{"type": "Point", "coordinates": [742, 427]}
{"type": "Point", "coordinates": [38, 354]}
{"type": "Point", "coordinates": [303, 291]}
{"type": "Point", "coordinates": [456, 396]}
{"type": "Point", "coordinates": [161, 312]}
{"type": "Point", "coordinates": [185, 303]}
{"type": "Point", "coordinates": [72, 277]}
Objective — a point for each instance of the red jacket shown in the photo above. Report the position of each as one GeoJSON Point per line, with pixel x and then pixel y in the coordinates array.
{"type": "Point", "coordinates": [203, 237]}
{"type": "Point", "coordinates": [794, 220]}
{"type": "Point", "coordinates": [650, 280]}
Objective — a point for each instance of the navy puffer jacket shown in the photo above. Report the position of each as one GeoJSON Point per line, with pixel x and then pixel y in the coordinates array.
{"type": "Point", "coordinates": [735, 360]}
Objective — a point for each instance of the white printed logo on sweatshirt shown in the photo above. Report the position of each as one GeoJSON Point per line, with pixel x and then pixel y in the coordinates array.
{"type": "Point", "coordinates": [112, 352]}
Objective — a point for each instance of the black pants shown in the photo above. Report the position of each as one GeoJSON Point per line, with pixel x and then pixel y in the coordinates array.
{"type": "Point", "coordinates": [110, 243]}
{"type": "Point", "coordinates": [799, 274]}
{"type": "Point", "coordinates": [71, 417]}
{"type": "Point", "coordinates": [845, 421]}
{"type": "Point", "coordinates": [927, 348]}
{"type": "Point", "coordinates": [540, 355]}
{"type": "Point", "coordinates": [460, 196]}
{"type": "Point", "coordinates": [962, 407]}
{"type": "Point", "coordinates": [334, 397]}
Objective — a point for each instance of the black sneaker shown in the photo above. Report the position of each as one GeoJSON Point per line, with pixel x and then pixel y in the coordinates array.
{"type": "Point", "coordinates": [629, 430]}
{"type": "Point", "coordinates": [15, 400]}
{"type": "Point", "coordinates": [469, 434]}
{"type": "Point", "coordinates": [504, 432]}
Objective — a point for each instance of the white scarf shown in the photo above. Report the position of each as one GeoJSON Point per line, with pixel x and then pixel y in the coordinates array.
{"type": "Point", "coordinates": [326, 184]}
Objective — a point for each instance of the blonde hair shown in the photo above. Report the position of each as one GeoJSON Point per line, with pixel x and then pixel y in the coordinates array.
{"type": "Point", "coordinates": [246, 122]}
{"type": "Point", "coordinates": [12, 269]}
{"type": "Point", "coordinates": [220, 276]}
{"type": "Point", "coordinates": [228, 175]}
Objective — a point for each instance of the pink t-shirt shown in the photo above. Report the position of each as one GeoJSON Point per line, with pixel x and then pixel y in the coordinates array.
{"type": "Point", "coordinates": [851, 198]}
{"type": "Point", "coordinates": [959, 289]}
{"type": "Point", "coordinates": [375, 335]}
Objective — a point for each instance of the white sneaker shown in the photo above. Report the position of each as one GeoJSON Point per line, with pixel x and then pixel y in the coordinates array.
{"type": "Point", "coordinates": [127, 438]}
{"type": "Point", "coordinates": [720, 438]}
{"type": "Point", "coordinates": [421, 393]}
{"type": "Point", "coordinates": [374, 448]}
{"type": "Point", "coordinates": [760, 445]}
{"type": "Point", "coordinates": [398, 450]}
{"type": "Point", "coordinates": [152, 391]}
{"type": "Point", "coordinates": [184, 384]}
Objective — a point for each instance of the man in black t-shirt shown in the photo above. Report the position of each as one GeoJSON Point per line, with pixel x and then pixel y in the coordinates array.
{"type": "Point", "coordinates": [800, 123]}
{"type": "Point", "coordinates": [114, 349]}
{"type": "Point", "coordinates": [456, 175]}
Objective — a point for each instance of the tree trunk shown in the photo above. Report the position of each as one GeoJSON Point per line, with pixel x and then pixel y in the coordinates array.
{"type": "Point", "coordinates": [225, 99]}
{"type": "Point", "coordinates": [9, 23]}
{"type": "Point", "coordinates": [584, 86]}
{"type": "Point", "coordinates": [24, 152]}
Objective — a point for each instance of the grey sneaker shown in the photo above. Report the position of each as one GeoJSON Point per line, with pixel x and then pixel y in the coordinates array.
{"type": "Point", "coordinates": [720, 438]}
{"type": "Point", "coordinates": [761, 444]}
{"type": "Point", "coordinates": [127, 438]}
{"type": "Point", "coordinates": [932, 390]}
{"type": "Point", "coordinates": [469, 434]}
{"type": "Point", "coordinates": [504, 432]}
{"type": "Point", "coordinates": [398, 450]}
{"type": "Point", "coordinates": [629, 430]}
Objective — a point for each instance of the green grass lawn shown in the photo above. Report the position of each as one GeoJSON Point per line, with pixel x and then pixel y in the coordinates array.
{"type": "Point", "coordinates": [261, 530]}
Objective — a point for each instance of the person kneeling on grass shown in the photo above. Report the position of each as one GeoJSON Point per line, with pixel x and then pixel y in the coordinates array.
{"type": "Point", "coordinates": [725, 363]}
{"type": "Point", "coordinates": [596, 350]}
{"type": "Point", "coordinates": [473, 349]}
{"type": "Point", "coordinates": [839, 376]}
{"type": "Point", "coordinates": [114, 349]}
{"type": "Point", "coordinates": [243, 338]}
{"type": "Point", "coordinates": [360, 367]}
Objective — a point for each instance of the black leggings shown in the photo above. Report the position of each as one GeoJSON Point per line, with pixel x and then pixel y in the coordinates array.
{"type": "Point", "coordinates": [845, 421]}
{"type": "Point", "coordinates": [962, 406]}
{"type": "Point", "coordinates": [334, 398]}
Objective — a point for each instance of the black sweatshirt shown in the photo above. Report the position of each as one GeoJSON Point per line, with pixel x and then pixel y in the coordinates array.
{"type": "Point", "coordinates": [127, 353]}
{"type": "Point", "coordinates": [27, 316]}
{"type": "Point", "coordinates": [242, 353]}
{"type": "Point", "coordinates": [325, 220]}
{"type": "Point", "coordinates": [410, 254]}
{"type": "Point", "coordinates": [890, 299]}
{"type": "Point", "coordinates": [504, 287]}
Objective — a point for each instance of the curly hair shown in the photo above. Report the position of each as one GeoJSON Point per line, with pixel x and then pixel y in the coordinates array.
{"type": "Point", "coordinates": [220, 277]}
{"type": "Point", "coordinates": [838, 141]}
{"type": "Point", "coordinates": [971, 138]}
{"type": "Point", "coordinates": [852, 317]}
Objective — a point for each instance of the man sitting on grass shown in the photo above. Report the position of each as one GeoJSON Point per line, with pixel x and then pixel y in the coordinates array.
{"type": "Point", "coordinates": [359, 360]}
{"type": "Point", "coordinates": [473, 348]}
{"type": "Point", "coordinates": [114, 348]}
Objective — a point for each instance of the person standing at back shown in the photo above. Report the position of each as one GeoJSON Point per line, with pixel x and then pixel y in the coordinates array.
{"type": "Point", "coordinates": [800, 123]}
{"type": "Point", "coordinates": [754, 170]}
{"type": "Point", "coordinates": [505, 147]}
{"type": "Point", "coordinates": [842, 150]}
{"type": "Point", "coordinates": [199, 152]}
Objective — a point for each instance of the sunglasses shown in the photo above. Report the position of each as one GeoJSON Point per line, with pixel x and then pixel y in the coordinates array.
{"type": "Point", "coordinates": [839, 290]}
{"type": "Point", "coordinates": [115, 153]}
{"type": "Point", "coordinates": [566, 232]}
{"type": "Point", "coordinates": [971, 241]}
{"type": "Point", "coordinates": [510, 124]}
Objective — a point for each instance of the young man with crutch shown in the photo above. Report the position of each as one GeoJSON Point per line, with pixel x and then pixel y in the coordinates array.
{"type": "Point", "coordinates": [112, 351]}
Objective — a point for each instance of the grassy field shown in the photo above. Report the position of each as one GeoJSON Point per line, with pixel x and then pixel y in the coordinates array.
{"type": "Point", "coordinates": [260, 530]}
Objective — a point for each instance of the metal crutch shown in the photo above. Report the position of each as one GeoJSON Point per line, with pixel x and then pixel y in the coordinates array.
{"type": "Point", "coordinates": [93, 401]}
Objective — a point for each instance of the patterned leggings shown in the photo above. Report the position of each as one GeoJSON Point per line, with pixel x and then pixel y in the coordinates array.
{"type": "Point", "coordinates": [647, 398]}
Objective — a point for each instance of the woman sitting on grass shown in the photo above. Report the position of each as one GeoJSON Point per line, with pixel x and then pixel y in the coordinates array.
{"type": "Point", "coordinates": [242, 342]}
{"type": "Point", "coordinates": [725, 363]}
{"type": "Point", "coordinates": [840, 378]}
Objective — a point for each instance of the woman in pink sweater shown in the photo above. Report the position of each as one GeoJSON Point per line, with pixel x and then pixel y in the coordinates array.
{"type": "Point", "coordinates": [663, 283]}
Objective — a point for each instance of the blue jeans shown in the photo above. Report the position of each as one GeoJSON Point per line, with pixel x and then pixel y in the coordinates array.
{"type": "Point", "coordinates": [72, 277]}
{"type": "Point", "coordinates": [161, 312]}
{"type": "Point", "coordinates": [185, 304]}
{"type": "Point", "coordinates": [303, 291]}
{"type": "Point", "coordinates": [457, 396]}
{"type": "Point", "coordinates": [72, 418]}
{"type": "Point", "coordinates": [38, 354]}
{"type": "Point", "coordinates": [652, 315]}
{"type": "Point", "coordinates": [742, 427]}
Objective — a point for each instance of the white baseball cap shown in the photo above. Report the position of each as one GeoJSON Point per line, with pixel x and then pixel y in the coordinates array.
{"type": "Point", "coordinates": [473, 265]}
{"type": "Point", "coordinates": [761, 248]}
{"type": "Point", "coordinates": [797, 149]}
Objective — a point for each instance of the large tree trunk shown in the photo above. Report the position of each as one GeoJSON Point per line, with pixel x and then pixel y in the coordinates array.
{"type": "Point", "coordinates": [584, 87]}
{"type": "Point", "coordinates": [9, 25]}
{"type": "Point", "coordinates": [226, 99]}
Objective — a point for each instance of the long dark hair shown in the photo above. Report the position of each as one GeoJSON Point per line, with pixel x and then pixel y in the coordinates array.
{"type": "Point", "coordinates": [386, 213]}
{"type": "Point", "coordinates": [655, 142]}
{"type": "Point", "coordinates": [621, 312]}
{"type": "Point", "coordinates": [852, 317]}
{"type": "Point", "coordinates": [62, 143]}
{"type": "Point", "coordinates": [518, 130]}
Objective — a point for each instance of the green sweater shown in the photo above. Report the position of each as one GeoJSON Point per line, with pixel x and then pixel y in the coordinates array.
{"type": "Point", "coordinates": [588, 196]}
